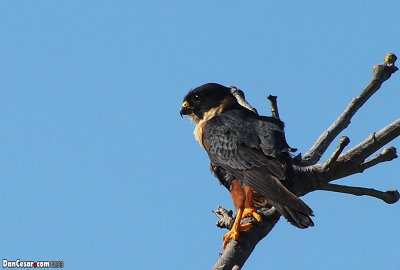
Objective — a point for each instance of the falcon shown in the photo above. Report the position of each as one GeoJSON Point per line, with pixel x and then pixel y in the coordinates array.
{"type": "Point", "coordinates": [249, 155]}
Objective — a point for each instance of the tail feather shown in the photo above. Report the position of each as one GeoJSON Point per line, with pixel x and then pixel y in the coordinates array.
{"type": "Point", "coordinates": [295, 217]}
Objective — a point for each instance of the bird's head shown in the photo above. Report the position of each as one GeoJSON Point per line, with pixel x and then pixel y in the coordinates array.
{"type": "Point", "coordinates": [206, 101]}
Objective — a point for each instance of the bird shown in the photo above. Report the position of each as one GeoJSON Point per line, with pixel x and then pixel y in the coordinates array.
{"type": "Point", "coordinates": [248, 154]}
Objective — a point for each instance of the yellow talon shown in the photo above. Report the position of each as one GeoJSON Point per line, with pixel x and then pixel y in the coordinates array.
{"type": "Point", "coordinates": [251, 212]}
{"type": "Point", "coordinates": [237, 228]}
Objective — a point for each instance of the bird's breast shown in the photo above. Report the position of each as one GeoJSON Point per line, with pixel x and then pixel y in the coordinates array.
{"type": "Point", "coordinates": [201, 124]}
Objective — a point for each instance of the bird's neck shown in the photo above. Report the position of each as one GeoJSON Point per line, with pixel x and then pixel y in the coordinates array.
{"type": "Point", "coordinates": [226, 104]}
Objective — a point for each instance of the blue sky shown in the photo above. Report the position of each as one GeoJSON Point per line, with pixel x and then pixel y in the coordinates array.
{"type": "Point", "coordinates": [97, 168]}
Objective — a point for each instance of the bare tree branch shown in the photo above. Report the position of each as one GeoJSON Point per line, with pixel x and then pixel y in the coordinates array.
{"type": "Point", "coordinates": [381, 73]}
{"type": "Point", "coordinates": [226, 219]}
{"type": "Point", "coordinates": [390, 196]}
{"type": "Point", "coordinates": [331, 162]}
{"type": "Point", "coordinates": [372, 144]}
{"type": "Point", "coordinates": [351, 162]}
{"type": "Point", "coordinates": [388, 154]}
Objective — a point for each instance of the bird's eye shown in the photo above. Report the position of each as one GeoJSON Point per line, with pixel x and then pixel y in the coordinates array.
{"type": "Point", "coordinates": [196, 98]}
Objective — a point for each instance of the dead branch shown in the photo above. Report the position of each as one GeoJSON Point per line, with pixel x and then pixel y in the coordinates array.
{"type": "Point", "coordinates": [388, 154]}
{"type": "Point", "coordinates": [373, 143]}
{"type": "Point", "coordinates": [331, 162]}
{"type": "Point", "coordinates": [239, 95]}
{"type": "Point", "coordinates": [225, 218]}
{"type": "Point", "coordinates": [351, 162]}
{"type": "Point", "coordinates": [274, 106]}
{"type": "Point", "coordinates": [381, 74]}
{"type": "Point", "coordinates": [390, 196]}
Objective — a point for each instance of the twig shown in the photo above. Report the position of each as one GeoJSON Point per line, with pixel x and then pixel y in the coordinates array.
{"type": "Point", "coordinates": [388, 154]}
{"type": "Point", "coordinates": [390, 196]}
{"type": "Point", "coordinates": [239, 95]}
{"type": "Point", "coordinates": [381, 73]}
{"type": "Point", "coordinates": [226, 219]}
{"type": "Point", "coordinates": [275, 113]}
{"type": "Point", "coordinates": [343, 142]}
{"type": "Point", "coordinates": [274, 106]}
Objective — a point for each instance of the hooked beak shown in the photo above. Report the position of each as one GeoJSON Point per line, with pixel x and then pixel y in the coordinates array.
{"type": "Point", "coordinates": [186, 108]}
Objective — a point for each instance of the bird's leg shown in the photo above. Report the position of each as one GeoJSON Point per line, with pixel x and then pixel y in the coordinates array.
{"type": "Point", "coordinates": [243, 200]}
{"type": "Point", "coordinates": [250, 210]}
{"type": "Point", "coordinates": [236, 228]}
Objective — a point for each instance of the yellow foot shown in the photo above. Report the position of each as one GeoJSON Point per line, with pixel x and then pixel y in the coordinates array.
{"type": "Point", "coordinates": [251, 212]}
{"type": "Point", "coordinates": [232, 234]}
{"type": "Point", "coordinates": [237, 227]}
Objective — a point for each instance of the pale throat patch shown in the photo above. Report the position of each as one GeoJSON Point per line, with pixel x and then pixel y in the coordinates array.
{"type": "Point", "coordinates": [201, 123]}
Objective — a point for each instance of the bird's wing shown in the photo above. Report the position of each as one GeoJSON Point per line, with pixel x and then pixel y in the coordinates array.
{"type": "Point", "coordinates": [235, 145]}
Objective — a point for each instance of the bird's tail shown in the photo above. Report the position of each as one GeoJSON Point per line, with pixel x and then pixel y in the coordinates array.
{"type": "Point", "coordinates": [295, 217]}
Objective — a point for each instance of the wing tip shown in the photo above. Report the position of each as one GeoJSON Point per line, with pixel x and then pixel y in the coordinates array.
{"type": "Point", "coordinates": [296, 218]}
